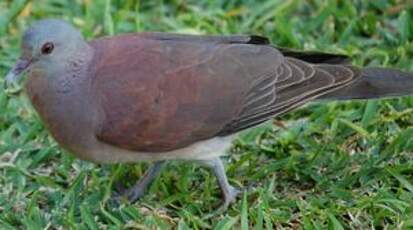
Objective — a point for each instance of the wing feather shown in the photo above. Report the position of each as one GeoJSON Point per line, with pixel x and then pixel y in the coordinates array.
{"type": "Point", "coordinates": [301, 82]}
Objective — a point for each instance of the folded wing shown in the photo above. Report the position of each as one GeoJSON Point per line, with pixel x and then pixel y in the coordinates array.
{"type": "Point", "coordinates": [161, 92]}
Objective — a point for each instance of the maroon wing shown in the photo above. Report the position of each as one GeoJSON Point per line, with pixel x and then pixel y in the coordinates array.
{"type": "Point", "coordinates": [160, 92]}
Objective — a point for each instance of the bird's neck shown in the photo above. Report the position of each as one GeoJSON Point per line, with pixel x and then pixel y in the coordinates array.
{"type": "Point", "coordinates": [62, 98]}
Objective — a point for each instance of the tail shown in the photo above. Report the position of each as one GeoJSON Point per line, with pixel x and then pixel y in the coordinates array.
{"type": "Point", "coordinates": [375, 83]}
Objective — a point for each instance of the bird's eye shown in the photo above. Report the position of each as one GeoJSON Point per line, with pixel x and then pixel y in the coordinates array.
{"type": "Point", "coordinates": [47, 48]}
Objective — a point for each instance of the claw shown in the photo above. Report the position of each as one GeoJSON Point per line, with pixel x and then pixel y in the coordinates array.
{"type": "Point", "coordinates": [231, 196]}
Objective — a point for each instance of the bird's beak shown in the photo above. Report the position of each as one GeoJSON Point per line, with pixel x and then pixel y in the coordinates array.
{"type": "Point", "coordinates": [21, 66]}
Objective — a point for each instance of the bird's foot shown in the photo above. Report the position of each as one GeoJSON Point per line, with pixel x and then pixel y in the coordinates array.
{"type": "Point", "coordinates": [230, 196]}
{"type": "Point", "coordinates": [131, 195]}
{"type": "Point", "coordinates": [138, 190]}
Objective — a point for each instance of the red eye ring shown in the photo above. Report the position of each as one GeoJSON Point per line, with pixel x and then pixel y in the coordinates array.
{"type": "Point", "coordinates": [47, 48]}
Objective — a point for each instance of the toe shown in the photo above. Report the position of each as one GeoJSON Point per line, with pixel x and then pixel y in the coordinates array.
{"type": "Point", "coordinates": [116, 199]}
{"type": "Point", "coordinates": [231, 195]}
{"type": "Point", "coordinates": [135, 194]}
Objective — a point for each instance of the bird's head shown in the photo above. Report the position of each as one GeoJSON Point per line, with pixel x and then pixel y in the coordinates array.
{"type": "Point", "coordinates": [44, 44]}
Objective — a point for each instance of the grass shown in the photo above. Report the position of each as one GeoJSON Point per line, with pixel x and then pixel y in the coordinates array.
{"type": "Point", "coordinates": [337, 165]}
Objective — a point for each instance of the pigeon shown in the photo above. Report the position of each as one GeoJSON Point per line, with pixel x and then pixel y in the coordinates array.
{"type": "Point", "coordinates": [160, 96]}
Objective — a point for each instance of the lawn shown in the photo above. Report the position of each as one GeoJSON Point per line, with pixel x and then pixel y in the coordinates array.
{"type": "Point", "coordinates": [335, 165]}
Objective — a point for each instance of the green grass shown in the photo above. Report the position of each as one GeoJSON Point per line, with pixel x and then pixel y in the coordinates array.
{"type": "Point", "coordinates": [337, 165]}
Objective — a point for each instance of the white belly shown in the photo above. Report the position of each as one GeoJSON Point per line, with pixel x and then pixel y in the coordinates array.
{"type": "Point", "coordinates": [207, 149]}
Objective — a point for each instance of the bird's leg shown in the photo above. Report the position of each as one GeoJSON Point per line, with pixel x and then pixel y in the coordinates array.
{"type": "Point", "coordinates": [138, 190]}
{"type": "Point", "coordinates": [229, 192]}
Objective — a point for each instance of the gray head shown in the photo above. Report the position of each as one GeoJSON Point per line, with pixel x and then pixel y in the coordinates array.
{"type": "Point", "coordinates": [45, 44]}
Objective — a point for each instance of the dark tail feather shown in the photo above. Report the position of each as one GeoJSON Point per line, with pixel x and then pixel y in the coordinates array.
{"type": "Point", "coordinates": [316, 57]}
{"type": "Point", "coordinates": [375, 83]}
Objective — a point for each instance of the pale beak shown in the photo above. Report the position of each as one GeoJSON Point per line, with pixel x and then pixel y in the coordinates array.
{"type": "Point", "coordinates": [21, 66]}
